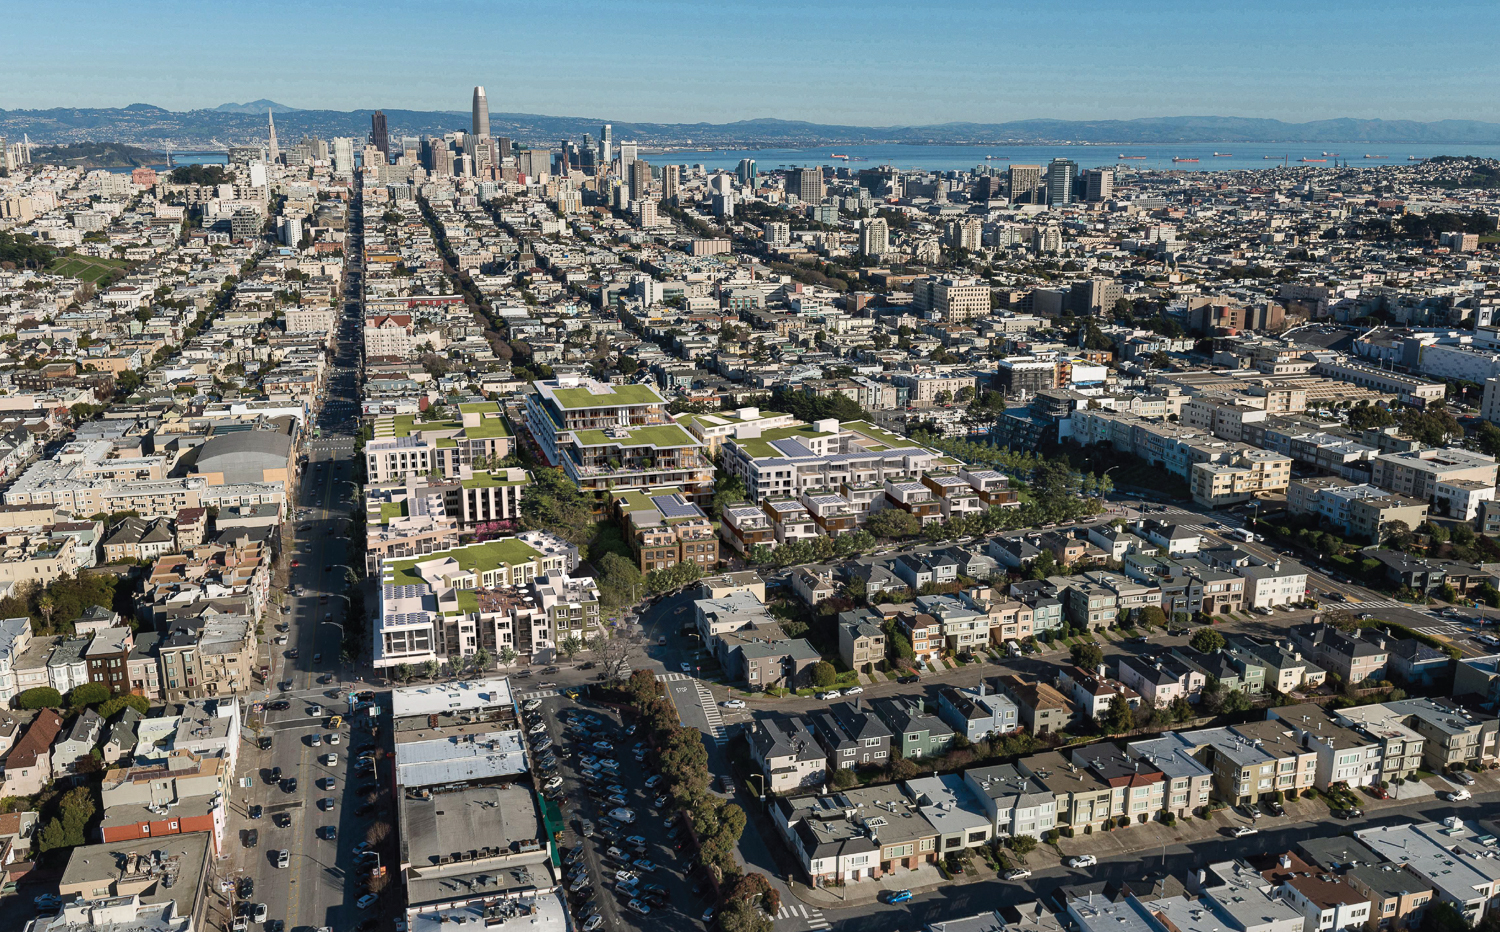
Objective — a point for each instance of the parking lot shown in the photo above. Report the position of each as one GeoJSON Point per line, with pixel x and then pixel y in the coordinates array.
{"type": "Point", "coordinates": [625, 853]}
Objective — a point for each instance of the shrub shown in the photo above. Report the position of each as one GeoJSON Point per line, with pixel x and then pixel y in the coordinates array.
{"type": "Point", "coordinates": [823, 674]}
{"type": "Point", "coordinates": [40, 697]}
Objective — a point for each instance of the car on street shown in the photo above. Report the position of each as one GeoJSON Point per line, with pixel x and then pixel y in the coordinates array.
{"type": "Point", "coordinates": [289, 785]}
{"type": "Point", "coordinates": [685, 667]}
{"type": "Point", "coordinates": [259, 913]}
{"type": "Point", "coordinates": [282, 820]}
{"type": "Point", "coordinates": [366, 901]}
{"type": "Point", "coordinates": [622, 814]}
{"type": "Point", "coordinates": [1017, 873]}
{"type": "Point", "coordinates": [327, 783]}
{"type": "Point", "coordinates": [1243, 830]}
{"type": "Point", "coordinates": [830, 694]}
{"type": "Point", "coordinates": [1138, 639]}
{"type": "Point", "coordinates": [1353, 812]}
{"type": "Point", "coordinates": [283, 858]}
{"type": "Point", "coordinates": [252, 838]}
{"type": "Point", "coordinates": [327, 803]}
{"type": "Point", "coordinates": [1081, 860]}
{"type": "Point", "coordinates": [315, 741]}
{"type": "Point", "coordinates": [733, 703]}
{"type": "Point", "coordinates": [898, 896]}
{"type": "Point", "coordinates": [908, 680]}
{"type": "Point", "coordinates": [255, 812]}
{"type": "Point", "coordinates": [48, 901]}
{"type": "Point", "coordinates": [1455, 796]}
{"type": "Point", "coordinates": [328, 832]}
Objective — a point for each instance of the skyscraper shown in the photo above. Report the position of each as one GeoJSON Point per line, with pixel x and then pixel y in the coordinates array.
{"type": "Point", "coordinates": [379, 137]}
{"type": "Point", "coordinates": [746, 172]}
{"type": "Point", "coordinates": [606, 145]}
{"type": "Point", "coordinates": [502, 148]}
{"type": "Point", "coordinates": [806, 184]}
{"type": "Point", "coordinates": [481, 114]}
{"type": "Point", "coordinates": [271, 118]}
{"type": "Point", "coordinates": [343, 155]}
{"type": "Point", "coordinates": [1060, 174]}
{"type": "Point", "coordinates": [1099, 184]}
{"type": "Point", "coordinates": [640, 179]}
{"type": "Point", "coordinates": [627, 155]}
{"type": "Point", "coordinates": [1025, 180]}
{"type": "Point", "coordinates": [874, 236]}
{"type": "Point", "coordinates": [671, 182]}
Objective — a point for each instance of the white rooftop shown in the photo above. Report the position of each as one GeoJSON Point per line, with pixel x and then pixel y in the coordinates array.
{"type": "Point", "coordinates": [451, 697]}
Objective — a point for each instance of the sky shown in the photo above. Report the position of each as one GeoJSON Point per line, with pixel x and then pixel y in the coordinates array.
{"type": "Point", "coordinates": [873, 62]}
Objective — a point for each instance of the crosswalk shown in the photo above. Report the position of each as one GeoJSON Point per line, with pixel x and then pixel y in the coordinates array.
{"type": "Point", "coordinates": [1367, 604]}
{"type": "Point", "coordinates": [710, 711]}
{"type": "Point", "coordinates": [801, 912]}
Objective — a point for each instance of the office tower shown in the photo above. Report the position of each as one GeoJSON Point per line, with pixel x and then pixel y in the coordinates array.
{"type": "Point", "coordinates": [746, 172]}
{"type": "Point", "coordinates": [533, 162]}
{"type": "Point", "coordinates": [671, 182]}
{"type": "Point", "coordinates": [411, 147]}
{"type": "Point", "coordinates": [271, 119]}
{"type": "Point", "coordinates": [481, 114]}
{"type": "Point", "coordinates": [1099, 184]}
{"type": "Point", "coordinates": [343, 155]}
{"type": "Point", "coordinates": [640, 179]}
{"type": "Point", "coordinates": [874, 237]}
{"type": "Point", "coordinates": [806, 184]}
{"type": "Point", "coordinates": [319, 149]}
{"type": "Point", "coordinates": [1025, 183]}
{"type": "Point", "coordinates": [1060, 174]}
{"type": "Point", "coordinates": [502, 148]}
{"type": "Point", "coordinates": [606, 145]}
{"type": "Point", "coordinates": [645, 213]}
{"type": "Point", "coordinates": [627, 155]}
{"type": "Point", "coordinates": [439, 157]}
{"type": "Point", "coordinates": [379, 137]}
{"type": "Point", "coordinates": [371, 157]}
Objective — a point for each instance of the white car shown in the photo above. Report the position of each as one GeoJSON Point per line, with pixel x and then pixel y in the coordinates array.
{"type": "Point", "coordinates": [1457, 796]}
{"type": "Point", "coordinates": [622, 815]}
{"type": "Point", "coordinates": [552, 783]}
{"type": "Point", "coordinates": [1244, 830]}
{"type": "Point", "coordinates": [1019, 873]}
{"type": "Point", "coordinates": [685, 667]}
{"type": "Point", "coordinates": [333, 738]}
{"type": "Point", "coordinates": [261, 911]}
{"type": "Point", "coordinates": [831, 694]}
{"type": "Point", "coordinates": [854, 690]}
{"type": "Point", "coordinates": [532, 705]}
{"type": "Point", "coordinates": [1081, 860]}
{"type": "Point", "coordinates": [366, 901]}
{"type": "Point", "coordinates": [733, 703]}
{"type": "Point", "coordinates": [332, 760]}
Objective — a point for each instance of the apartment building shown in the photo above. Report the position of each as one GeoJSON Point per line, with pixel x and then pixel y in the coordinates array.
{"type": "Point", "coordinates": [1017, 803]}
{"type": "Point", "coordinates": [861, 640]}
{"type": "Point", "coordinates": [916, 733]}
{"type": "Point", "coordinates": [979, 713]}
{"type": "Point", "coordinates": [952, 298]}
{"type": "Point", "coordinates": [1162, 682]}
{"type": "Point", "coordinates": [1360, 510]}
{"type": "Point", "coordinates": [666, 529]}
{"type": "Point", "coordinates": [1043, 709]}
{"type": "Point", "coordinates": [851, 735]}
{"type": "Point", "coordinates": [745, 526]}
{"type": "Point", "coordinates": [992, 487]}
{"type": "Point", "coordinates": [1416, 474]}
{"type": "Point", "coordinates": [1250, 474]}
{"type": "Point", "coordinates": [611, 438]}
{"type": "Point", "coordinates": [827, 456]}
{"type": "Point", "coordinates": [1254, 761]}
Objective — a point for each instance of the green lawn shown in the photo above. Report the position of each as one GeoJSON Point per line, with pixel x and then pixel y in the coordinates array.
{"type": "Point", "coordinates": [86, 268]}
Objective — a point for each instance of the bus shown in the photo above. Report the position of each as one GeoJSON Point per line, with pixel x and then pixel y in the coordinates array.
{"type": "Point", "coordinates": [1240, 533]}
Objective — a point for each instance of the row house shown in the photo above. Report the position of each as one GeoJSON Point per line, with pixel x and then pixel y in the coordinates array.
{"type": "Point", "coordinates": [914, 498]}
{"type": "Point", "coordinates": [1043, 709]}
{"type": "Point", "coordinates": [851, 735]}
{"type": "Point", "coordinates": [979, 713]}
{"type": "Point", "coordinates": [1163, 681]}
{"type": "Point", "coordinates": [1356, 657]}
{"type": "Point", "coordinates": [992, 487]}
{"type": "Point", "coordinates": [1092, 692]}
{"type": "Point", "coordinates": [857, 835]}
{"type": "Point", "coordinates": [788, 755]}
{"type": "Point", "coordinates": [1254, 761]}
{"type": "Point", "coordinates": [1017, 803]}
{"type": "Point", "coordinates": [790, 519]}
{"type": "Point", "coordinates": [954, 494]}
{"type": "Point", "coordinates": [915, 732]}
{"type": "Point", "coordinates": [1344, 755]}
{"type": "Point", "coordinates": [1189, 783]}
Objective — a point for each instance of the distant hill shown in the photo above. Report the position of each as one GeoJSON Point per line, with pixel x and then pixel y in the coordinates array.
{"type": "Point", "coordinates": [254, 106]}
{"type": "Point", "coordinates": [235, 124]}
{"type": "Point", "coordinates": [97, 155]}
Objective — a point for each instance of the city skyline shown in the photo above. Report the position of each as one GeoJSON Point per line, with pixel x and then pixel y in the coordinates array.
{"type": "Point", "coordinates": [660, 61]}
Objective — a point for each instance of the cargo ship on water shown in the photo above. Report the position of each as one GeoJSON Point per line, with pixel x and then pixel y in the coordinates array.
{"type": "Point", "coordinates": [1223, 155]}
{"type": "Point", "coordinates": [1130, 157]}
{"type": "Point", "coordinates": [1369, 156]}
{"type": "Point", "coordinates": [1178, 159]}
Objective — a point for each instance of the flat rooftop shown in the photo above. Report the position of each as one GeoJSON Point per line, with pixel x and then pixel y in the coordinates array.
{"type": "Point", "coordinates": [544, 913]}
{"type": "Point", "coordinates": [459, 758]}
{"type": "Point", "coordinates": [448, 698]}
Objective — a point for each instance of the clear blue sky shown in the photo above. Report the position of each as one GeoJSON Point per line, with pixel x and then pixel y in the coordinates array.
{"type": "Point", "coordinates": [871, 62]}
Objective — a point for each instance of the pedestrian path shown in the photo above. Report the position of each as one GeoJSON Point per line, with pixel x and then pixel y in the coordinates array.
{"type": "Point", "coordinates": [660, 678]}
{"type": "Point", "coordinates": [802, 914]}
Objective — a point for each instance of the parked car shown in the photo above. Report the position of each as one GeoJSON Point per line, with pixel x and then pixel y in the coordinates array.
{"type": "Point", "coordinates": [898, 896]}
{"type": "Point", "coordinates": [1017, 873]}
{"type": "Point", "coordinates": [854, 690]}
{"type": "Point", "coordinates": [830, 694]}
{"type": "Point", "coordinates": [622, 815]}
{"type": "Point", "coordinates": [908, 680]}
{"type": "Point", "coordinates": [1243, 830]}
{"type": "Point", "coordinates": [733, 703]}
{"type": "Point", "coordinates": [283, 858]}
{"type": "Point", "coordinates": [366, 901]}
{"type": "Point", "coordinates": [1459, 776]}
{"type": "Point", "coordinates": [1081, 860]}
{"type": "Point", "coordinates": [252, 838]}
{"type": "Point", "coordinates": [1456, 796]}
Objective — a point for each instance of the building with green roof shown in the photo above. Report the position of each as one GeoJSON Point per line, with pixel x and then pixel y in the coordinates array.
{"type": "Point", "coordinates": [614, 438]}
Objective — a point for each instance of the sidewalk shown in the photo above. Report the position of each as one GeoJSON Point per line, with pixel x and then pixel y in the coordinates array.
{"type": "Point", "coordinates": [864, 892]}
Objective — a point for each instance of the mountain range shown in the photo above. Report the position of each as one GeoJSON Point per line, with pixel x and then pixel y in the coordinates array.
{"type": "Point", "coordinates": [234, 124]}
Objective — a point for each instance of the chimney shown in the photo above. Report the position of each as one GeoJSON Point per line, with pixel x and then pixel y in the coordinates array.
{"type": "Point", "coordinates": [1286, 861]}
